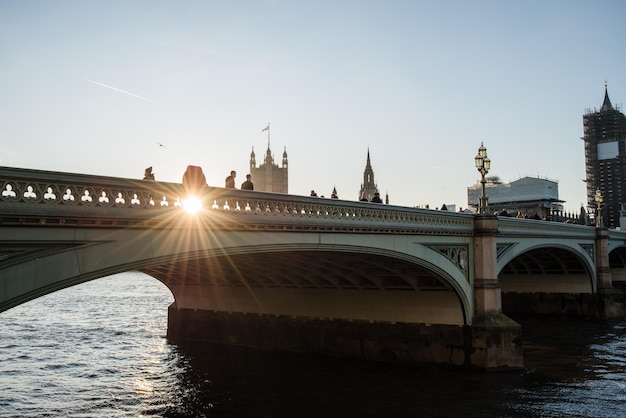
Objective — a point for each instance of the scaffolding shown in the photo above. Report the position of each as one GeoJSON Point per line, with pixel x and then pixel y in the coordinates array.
{"type": "Point", "coordinates": [605, 160]}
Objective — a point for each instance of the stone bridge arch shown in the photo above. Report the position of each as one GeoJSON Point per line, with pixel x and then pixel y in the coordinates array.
{"type": "Point", "coordinates": [334, 280]}
{"type": "Point", "coordinates": [419, 284]}
{"type": "Point", "coordinates": [538, 267]}
{"type": "Point", "coordinates": [617, 265]}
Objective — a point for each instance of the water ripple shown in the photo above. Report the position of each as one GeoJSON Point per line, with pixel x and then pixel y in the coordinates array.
{"type": "Point", "coordinates": [61, 356]}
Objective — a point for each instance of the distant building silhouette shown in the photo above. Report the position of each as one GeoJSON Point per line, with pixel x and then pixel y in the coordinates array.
{"type": "Point", "coordinates": [269, 177]}
{"type": "Point", "coordinates": [369, 187]}
{"type": "Point", "coordinates": [605, 160]}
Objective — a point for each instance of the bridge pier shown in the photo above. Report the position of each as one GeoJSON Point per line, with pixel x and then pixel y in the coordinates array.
{"type": "Point", "coordinates": [610, 303]}
{"type": "Point", "coordinates": [603, 269]}
{"type": "Point", "coordinates": [496, 341]}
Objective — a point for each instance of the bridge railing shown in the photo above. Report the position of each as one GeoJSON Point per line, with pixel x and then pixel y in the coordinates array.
{"type": "Point", "coordinates": [529, 227]}
{"type": "Point", "coordinates": [82, 190]}
{"type": "Point", "coordinates": [277, 208]}
{"type": "Point", "coordinates": [45, 197]}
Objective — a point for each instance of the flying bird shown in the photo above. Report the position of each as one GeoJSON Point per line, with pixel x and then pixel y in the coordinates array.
{"type": "Point", "coordinates": [161, 145]}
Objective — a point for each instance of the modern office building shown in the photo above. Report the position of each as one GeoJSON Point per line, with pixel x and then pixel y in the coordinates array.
{"type": "Point", "coordinates": [530, 196]}
{"type": "Point", "coordinates": [605, 159]}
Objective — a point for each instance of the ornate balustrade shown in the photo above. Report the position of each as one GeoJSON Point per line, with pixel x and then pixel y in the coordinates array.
{"type": "Point", "coordinates": [514, 227]}
{"type": "Point", "coordinates": [53, 188]}
{"type": "Point", "coordinates": [36, 197]}
{"type": "Point", "coordinates": [44, 197]}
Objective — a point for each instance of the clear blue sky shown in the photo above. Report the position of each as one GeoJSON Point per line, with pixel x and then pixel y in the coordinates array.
{"type": "Point", "coordinates": [92, 86]}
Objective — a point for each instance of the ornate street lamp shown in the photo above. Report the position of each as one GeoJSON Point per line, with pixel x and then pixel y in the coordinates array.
{"type": "Point", "coordinates": [483, 164]}
{"type": "Point", "coordinates": [599, 208]}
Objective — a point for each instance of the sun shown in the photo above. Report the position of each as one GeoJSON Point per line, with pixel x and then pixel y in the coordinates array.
{"type": "Point", "coordinates": [192, 205]}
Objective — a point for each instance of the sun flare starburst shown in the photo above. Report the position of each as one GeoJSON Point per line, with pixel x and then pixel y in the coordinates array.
{"type": "Point", "coordinates": [192, 205]}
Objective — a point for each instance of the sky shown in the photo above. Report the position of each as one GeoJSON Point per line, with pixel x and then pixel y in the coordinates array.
{"type": "Point", "coordinates": [94, 87]}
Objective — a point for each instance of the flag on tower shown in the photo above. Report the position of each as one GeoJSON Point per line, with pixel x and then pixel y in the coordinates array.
{"type": "Point", "coordinates": [267, 128]}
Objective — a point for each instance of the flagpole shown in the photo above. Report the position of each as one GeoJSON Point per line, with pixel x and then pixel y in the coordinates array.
{"type": "Point", "coordinates": [267, 128]}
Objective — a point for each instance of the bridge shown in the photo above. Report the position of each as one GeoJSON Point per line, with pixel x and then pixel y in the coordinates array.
{"type": "Point", "coordinates": [303, 273]}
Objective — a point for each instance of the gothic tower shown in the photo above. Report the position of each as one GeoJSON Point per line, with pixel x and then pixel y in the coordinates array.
{"type": "Point", "coordinates": [269, 177]}
{"type": "Point", "coordinates": [605, 159]}
{"type": "Point", "coordinates": [369, 186]}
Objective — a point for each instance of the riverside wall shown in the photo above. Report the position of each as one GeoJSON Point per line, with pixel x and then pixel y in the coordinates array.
{"type": "Point", "coordinates": [492, 344]}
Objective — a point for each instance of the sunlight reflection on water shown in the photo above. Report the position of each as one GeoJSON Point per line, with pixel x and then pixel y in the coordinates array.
{"type": "Point", "coordinates": [99, 349]}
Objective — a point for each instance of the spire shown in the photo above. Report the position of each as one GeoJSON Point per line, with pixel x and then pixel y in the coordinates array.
{"type": "Point", "coordinates": [252, 159]}
{"type": "Point", "coordinates": [269, 159]}
{"type": "Point", "coordinates": [368, 187]}
{"type": "Point", "coordinates": [368, 174]}
{"type": "Point", "coordinates": [606, 105]}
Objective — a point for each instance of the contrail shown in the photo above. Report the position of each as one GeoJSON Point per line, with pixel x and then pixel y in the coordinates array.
{"type": "Point", "coordinates": [120, 90]}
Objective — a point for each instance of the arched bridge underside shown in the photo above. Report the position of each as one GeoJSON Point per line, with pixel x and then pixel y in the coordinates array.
{"type": "Point", "coordinates": [548, 270]}
{"type": "Point", "coordinates": [314, 274]}
{"type": "Point", "coordinates": [617, 263]}
{"type": "Point", "coordinates": [324, 281]}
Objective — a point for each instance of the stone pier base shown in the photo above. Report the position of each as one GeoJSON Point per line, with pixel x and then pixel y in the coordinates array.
{"type": "Point", "coordinates": [496, 343]}
{"type": "Point", "coordinates": [607, 303]}
{"type": "Point", "coordinates": [450, 345]}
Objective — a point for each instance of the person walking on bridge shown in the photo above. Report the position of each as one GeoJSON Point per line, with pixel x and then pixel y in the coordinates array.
{"type": "Point", "coordinates": [230, 180]}
{"type": "Point", "coordinates": [247, 185]}
{"type": "Point", "coordinates": [376, 198]}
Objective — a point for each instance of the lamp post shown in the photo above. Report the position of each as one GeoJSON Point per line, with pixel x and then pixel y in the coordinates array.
{"type": "Point", "coordinates": [483, 164]}
{"type": "Point", "coordinates": [599, 208]}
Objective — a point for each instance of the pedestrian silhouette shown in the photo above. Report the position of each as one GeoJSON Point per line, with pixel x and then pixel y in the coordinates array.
{"type": "Point", "coordinates": [247, 185]}
{"type": "Point", "coordinates": [230, 180]}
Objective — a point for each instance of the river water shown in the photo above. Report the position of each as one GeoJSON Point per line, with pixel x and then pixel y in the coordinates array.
{"type": "Point", "coordinates": [99, 350]}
